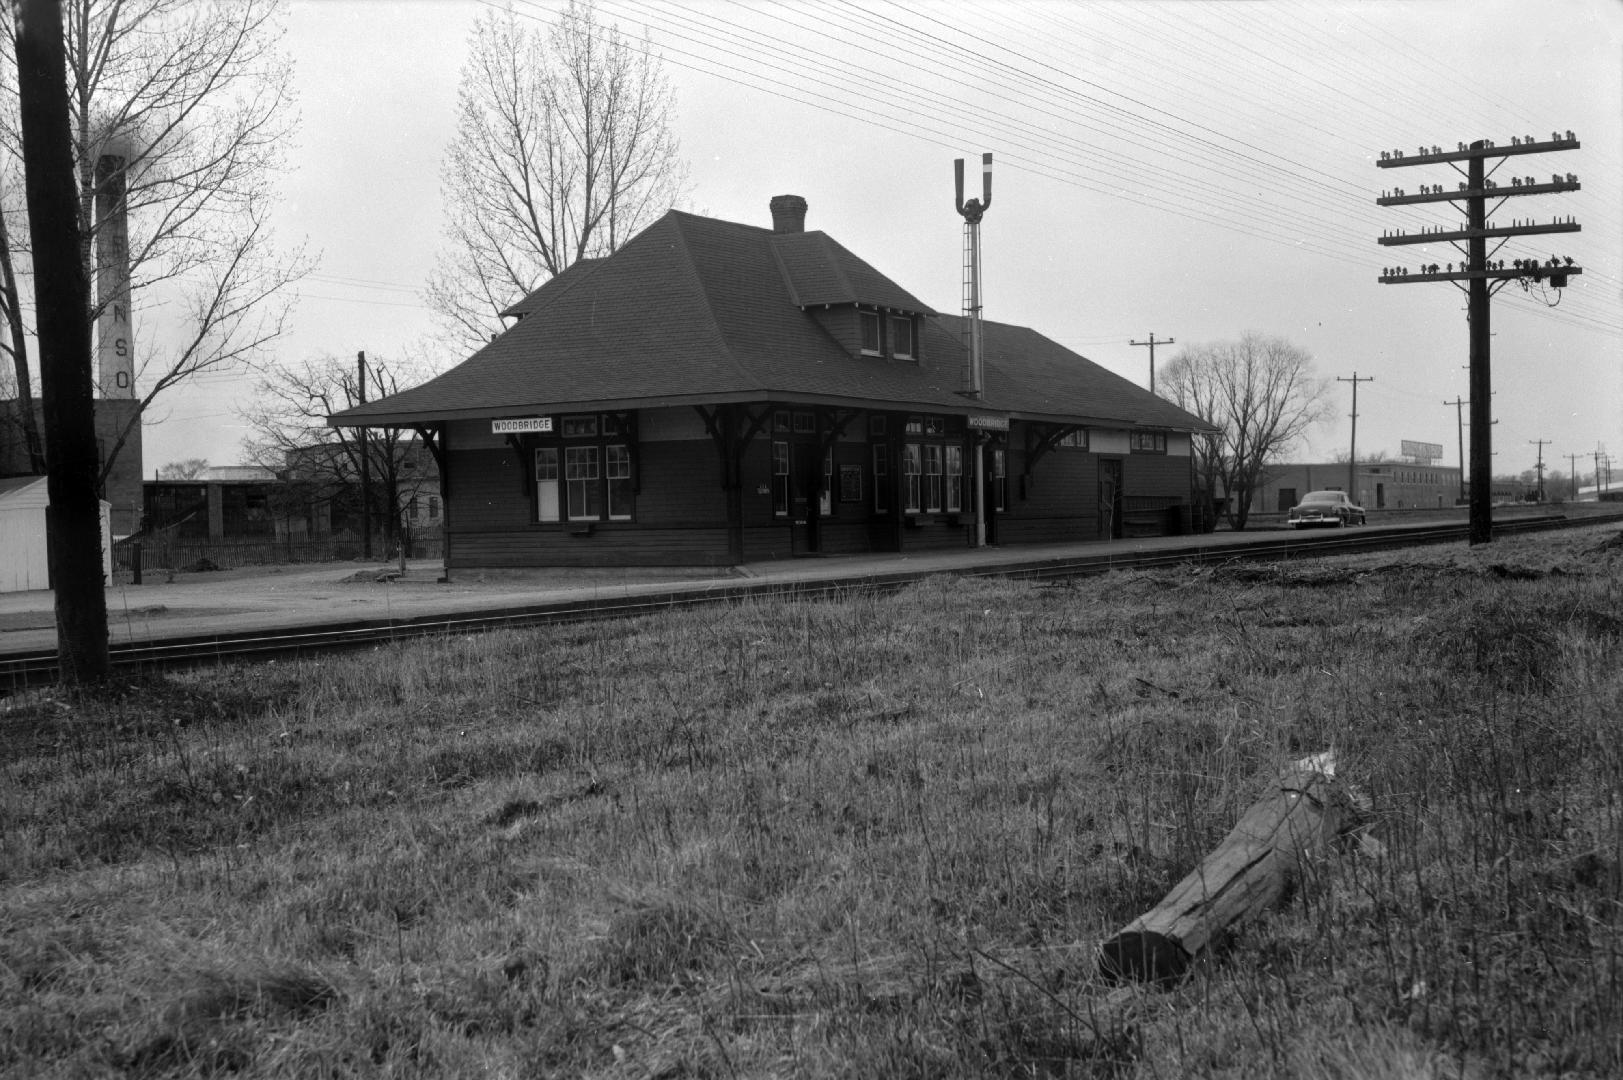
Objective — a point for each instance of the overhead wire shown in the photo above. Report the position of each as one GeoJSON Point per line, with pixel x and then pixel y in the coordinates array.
{"type": "Point", "coordinates": [882, 100]}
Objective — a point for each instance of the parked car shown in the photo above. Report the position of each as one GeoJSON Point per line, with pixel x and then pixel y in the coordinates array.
{"type": "Point", "coordinates": [1325, 508]}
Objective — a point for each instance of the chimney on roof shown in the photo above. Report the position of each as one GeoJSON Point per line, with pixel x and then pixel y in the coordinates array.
{"type": "Point", "coordinates": [788, 213]}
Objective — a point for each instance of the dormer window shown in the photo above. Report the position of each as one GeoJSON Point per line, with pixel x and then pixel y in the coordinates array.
{"type": "Point", "coordinates": [901, 337]}
{"type": "Point", "coordinates": [870, 334]}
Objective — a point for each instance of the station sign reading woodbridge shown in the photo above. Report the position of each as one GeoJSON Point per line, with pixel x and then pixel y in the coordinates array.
{"type": "Point", "coordinates": [982, 422]}
{"type": "Point", "coordinates": [523, 425]}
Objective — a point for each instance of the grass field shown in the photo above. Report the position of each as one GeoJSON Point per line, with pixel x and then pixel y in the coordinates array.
{"type": "Point", "coordinates": [881, 836]}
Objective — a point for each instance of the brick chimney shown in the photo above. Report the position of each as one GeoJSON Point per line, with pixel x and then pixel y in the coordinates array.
{"type": "Point", "coordinates": [788, 213]}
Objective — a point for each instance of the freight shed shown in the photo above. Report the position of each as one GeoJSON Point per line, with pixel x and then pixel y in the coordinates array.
{"type": "Point", "coordinates": [716, 393]}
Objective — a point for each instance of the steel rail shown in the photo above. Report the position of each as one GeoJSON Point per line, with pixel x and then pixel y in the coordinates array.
{"type": "Point", "coordinates": [32, 668]}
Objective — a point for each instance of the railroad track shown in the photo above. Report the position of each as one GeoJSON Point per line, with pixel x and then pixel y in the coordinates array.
{"type": "Point", "coordinates": [33, 668]}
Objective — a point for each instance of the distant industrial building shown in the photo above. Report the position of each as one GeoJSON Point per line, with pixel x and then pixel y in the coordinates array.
{"type": "Point", "coordinates": [1377, 485]}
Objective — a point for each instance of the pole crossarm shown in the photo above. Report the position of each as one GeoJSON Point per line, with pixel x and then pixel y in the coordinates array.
{"type": "Point", "coordinates": [1446, 236]}
{"type": "Point", "coordinates": [1396, 159]}
{"type": "Point", "coordinates": [1508, 274]}
{"type": "Point", "coordinates": [1492, 191]}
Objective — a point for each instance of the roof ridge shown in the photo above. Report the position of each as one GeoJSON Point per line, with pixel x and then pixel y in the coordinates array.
{"type": "Point", "coordinates": [696, 283]}
{"type": "Point", "coordinates": [832, 250]}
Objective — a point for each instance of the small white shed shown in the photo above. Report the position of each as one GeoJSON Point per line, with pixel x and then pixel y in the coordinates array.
{"type": "Point", "coordinates": [23, 561]}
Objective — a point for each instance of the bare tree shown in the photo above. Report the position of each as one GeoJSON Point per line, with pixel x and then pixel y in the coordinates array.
{"type": "Point", "coordinates": [185, 469]}
{"type": "Point", "coordinates": [185, 107]}
{"type": "Point", "coordinates": [1261, 396]}
{"type": "Point", "coordinates": [16, 383]}
{"type": "Point", "coordinates": [564, 147]}
{"type": "Point", "coordinates": [290, 435]}
{"type": "Point", "coordinates": [62, 294]}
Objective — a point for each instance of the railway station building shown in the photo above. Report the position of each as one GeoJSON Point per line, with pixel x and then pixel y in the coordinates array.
{"type": "Point", "coordinates": [716, 393]}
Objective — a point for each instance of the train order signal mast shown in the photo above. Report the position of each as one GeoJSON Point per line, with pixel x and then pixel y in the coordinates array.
{"type": "Point", "coordinates": [1480, 274]}
{"type": "Point", "coordinates": [975, 369]}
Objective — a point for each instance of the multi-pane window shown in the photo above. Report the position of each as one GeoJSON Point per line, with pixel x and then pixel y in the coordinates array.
{"type": "Point", "coordinates": [901, 337]}
{"type": "Point", "coordinates": [618, 474]}
{"type": "Point", "coordinates": [932, 467]}
{"type": "Point", "coordinates": [780, 479]}
{"type": "Point", "coordinates": [932, 477]}
{"type": "Point", "coordinates": [912, 477]}
{"type": "Point", "coordinates": [1076, 440]}
{"type": "Point", "coordinates": [1148, 442]}
{"type": "Point", "coordinates": [581, 480]}
{"type": "Point", "coordinates": [1000, 478]}
{"type": "Point", "coordinates": [870, 332]}
{"type": "Point", "coordinates": [587, 477]}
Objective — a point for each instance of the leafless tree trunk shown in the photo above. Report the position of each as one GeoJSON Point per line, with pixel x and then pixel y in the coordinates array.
{"type": "Point", "coordinates": [62, 296]}
{"type": "Point", "coordinates": [16, 345]}
{"type": "Point", "coordinates": [290, 435]}
{"type": "Point", "coordinates": [564, 147]}
{"type": "Point", "coordinates": [195, 97]}
{"type": "Point", "coordinates": [1262, 396]}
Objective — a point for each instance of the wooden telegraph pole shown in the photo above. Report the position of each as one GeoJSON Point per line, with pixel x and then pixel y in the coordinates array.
{"type": "Point", "coordinates": [1152, 343]}
{"type": "Point", "coordinates": [1477, 271]}
{"type": "Point", "coordinates": [1352, 451]}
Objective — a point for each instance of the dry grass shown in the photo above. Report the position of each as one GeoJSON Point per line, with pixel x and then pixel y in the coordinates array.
{"type": "Point", "coordinates": [881, 836]}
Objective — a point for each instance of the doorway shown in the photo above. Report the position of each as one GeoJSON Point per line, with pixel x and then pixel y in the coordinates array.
{"type": "Point", "coordinates": [1110, 499]}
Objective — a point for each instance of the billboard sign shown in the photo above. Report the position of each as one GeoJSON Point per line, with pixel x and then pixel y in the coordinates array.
{"type": "Point", "coordinates": [1422, 452]}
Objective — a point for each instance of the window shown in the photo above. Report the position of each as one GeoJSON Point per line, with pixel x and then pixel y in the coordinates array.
{"type": "Point", "coordinates": [433, 507]}
{"type": "Point", "coordinates": [1000, 479]}
{"type": "Point", "coordinates": [780, 479]}
{"type": "Point", "coordinates": [581, 480]}
{"type": "Point", "coordinates": [618, 474]}
{"type": "Point", "coordinates": [912, 470]}
{"type": "Point", "coordinates": [579, 427]}
{"type": "Point", "coordinates": [870, 333]}
{"type": "Point", "coordinates": [876, 425]}
{"type": "Point", "coordinates": [932, 470]}
{"type": "Point", "coordinates": [1148, 442]}
{"type": "Point", "coordinates": [881, 477]}
{"type": "Point", "coordinates": [901, 337]}
{"type": "Point", "coordinates": [780, 420]}
{"type": "Point", "coordinates": [1076, 440]}
{"type": "Point", "coordinates": [585, 478]}
{"type": "Point", "coordinates": [805, 423]}
{"type": "Point", "coordinates": [932, 476]}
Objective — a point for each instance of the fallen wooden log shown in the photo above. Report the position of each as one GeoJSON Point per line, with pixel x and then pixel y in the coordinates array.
{"type": "Point", "coordinates": [1248, 873]}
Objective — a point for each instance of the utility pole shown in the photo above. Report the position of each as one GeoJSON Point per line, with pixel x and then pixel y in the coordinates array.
{"type": "Point", "coordinates": [1572, 475]}
{"type": "Point", "coordinates": [1459, 421]}
{"type": "Point", "coordinates": [1539, 469]}
{"type": "Point", "coordinates": [1352, 454]}
{"type": "Point", "coordinates": [1152, 343]}
{"type": "Point", "coordinates": [1476, 271]}
{"type": "Point", "coordinates": [366, 460]}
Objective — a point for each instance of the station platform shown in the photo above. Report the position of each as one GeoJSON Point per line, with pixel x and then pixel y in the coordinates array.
{"type": "Point", "coordinates": [175, 606]}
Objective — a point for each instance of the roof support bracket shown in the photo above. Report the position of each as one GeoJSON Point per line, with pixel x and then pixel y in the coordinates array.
{"type": "Point", "coordinates": [1040, 439]}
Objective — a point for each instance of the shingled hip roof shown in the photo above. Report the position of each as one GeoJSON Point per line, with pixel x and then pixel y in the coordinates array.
{"type": "Point", "coordinates": [695, 310]}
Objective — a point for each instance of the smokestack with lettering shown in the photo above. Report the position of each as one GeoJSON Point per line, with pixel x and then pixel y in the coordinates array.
{"type": "Point", "coordinates": [115, 340]}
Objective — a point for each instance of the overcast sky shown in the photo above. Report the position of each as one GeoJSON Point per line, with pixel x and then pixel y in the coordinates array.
{"type": "Point", "coordinates": [1188, 169]}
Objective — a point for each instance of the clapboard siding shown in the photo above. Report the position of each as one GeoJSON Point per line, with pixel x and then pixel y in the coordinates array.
{"type": "Point", "coordinates": [681, 512]}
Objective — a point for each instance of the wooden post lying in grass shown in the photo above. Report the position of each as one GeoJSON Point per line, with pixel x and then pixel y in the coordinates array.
{"type": "Point", "coordinates": [1248, 873]}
